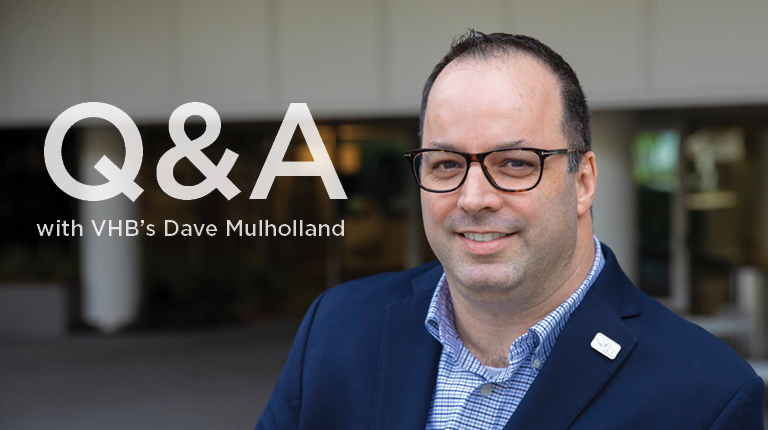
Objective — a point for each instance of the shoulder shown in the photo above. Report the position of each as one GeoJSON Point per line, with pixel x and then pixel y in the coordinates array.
{"type": "Point", "coordinates": [685, 347]}
{"type": "Point", "coordinates": [362, 303]}
{"type": "Point", "coordinates": [379, 289]}
{"type": "Point", "coordinates": [671, 351]}
{"type": "Point", "coordinates": [679, 365]}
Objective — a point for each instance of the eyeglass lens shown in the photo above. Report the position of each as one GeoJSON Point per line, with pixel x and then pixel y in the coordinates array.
{"type": "Point", "coordinates": [511, 169]}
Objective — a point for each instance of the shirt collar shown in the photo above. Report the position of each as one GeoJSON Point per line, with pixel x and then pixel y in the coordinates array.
{"type": "Point", "coordinates": [540, 338]}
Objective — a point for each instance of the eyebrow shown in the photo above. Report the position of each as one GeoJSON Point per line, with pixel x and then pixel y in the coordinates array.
{"type": "Point", "coordinates": [521, 143]}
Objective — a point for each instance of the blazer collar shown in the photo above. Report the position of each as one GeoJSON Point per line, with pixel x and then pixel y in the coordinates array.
{"type": "Point", "coordinates": [615, 287]}
{"type": "Point", "coordinates": [408, 360]}
{"type": "Point", "coordinates": [427, 281]}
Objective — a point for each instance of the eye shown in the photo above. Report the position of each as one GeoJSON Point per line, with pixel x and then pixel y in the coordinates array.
{"type": "Point", "coordinates": [445, 165]}
{"type": "Point", "coordinates": [515, 163]}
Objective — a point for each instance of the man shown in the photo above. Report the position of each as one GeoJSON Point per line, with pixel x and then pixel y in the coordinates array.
{"type": "Point", "coordinates": [528, 322]}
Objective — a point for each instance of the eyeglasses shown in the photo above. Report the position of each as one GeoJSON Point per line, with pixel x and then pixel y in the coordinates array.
{"type": "Point", "coordinates": [512, 170]}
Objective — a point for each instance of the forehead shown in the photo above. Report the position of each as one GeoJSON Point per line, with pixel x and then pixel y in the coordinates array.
{"type": "Point", "coordinates": [481, 104]}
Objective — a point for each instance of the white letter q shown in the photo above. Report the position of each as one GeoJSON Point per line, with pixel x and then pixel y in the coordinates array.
{"type": "Point", "coordinates": [121, 180]}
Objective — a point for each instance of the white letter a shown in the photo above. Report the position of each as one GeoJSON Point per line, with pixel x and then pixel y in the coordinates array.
{"type": "Point", "coordinates": [298, 114]}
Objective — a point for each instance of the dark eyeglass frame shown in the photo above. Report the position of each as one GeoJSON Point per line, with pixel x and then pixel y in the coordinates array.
{"type": "Point", "coordinates": [480, 158]}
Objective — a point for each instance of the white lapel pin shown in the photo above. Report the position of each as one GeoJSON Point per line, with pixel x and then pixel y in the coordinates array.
{"type": "Point", "coordinates": [605, 345]}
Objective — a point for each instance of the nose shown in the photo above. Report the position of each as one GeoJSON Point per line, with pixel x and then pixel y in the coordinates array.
{"type": "Point", "coordinates": [477, 194]}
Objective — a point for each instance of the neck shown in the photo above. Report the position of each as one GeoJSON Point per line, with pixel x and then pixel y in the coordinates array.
{"type": "Point", "coordinates": [488, 328]}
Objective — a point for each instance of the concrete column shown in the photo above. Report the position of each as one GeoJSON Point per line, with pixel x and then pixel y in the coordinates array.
{"type": "Point", "coordinates": [751, 300]}
{"type": "Point", "coordinates": [109, 264]}
{"type": "Point", "coordinates": [761, 233]}
{"type": "Point", "coordinates": [615, 207]}
{"type": "Point", "coordinates": [753, 281]}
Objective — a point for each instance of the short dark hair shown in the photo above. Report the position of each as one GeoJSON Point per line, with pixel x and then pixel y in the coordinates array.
{"type": "Point", "coordinates": [474, 44]}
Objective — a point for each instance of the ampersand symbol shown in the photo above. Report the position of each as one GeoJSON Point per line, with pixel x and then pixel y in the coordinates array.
{"type": "Point", "coordinates": [215, 174]}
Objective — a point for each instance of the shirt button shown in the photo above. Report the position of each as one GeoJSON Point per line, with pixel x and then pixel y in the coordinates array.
{"type": "Point", "coordinates": [537, 364]}
{"type": "Point", "coordinates": [486, 390]}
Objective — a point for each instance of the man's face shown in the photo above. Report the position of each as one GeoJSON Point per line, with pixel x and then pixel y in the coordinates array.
{"type": "Point", "coordinates": [482, 105]}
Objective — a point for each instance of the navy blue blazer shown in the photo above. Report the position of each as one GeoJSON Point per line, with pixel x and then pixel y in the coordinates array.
{"type": "Point", "coordinates": [362, 359]}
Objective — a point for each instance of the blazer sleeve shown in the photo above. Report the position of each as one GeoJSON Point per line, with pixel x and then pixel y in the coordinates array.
{"type": "Point", "coordinates": [745, 410]}
{"type": "Point", "coordinates": [282, 411]}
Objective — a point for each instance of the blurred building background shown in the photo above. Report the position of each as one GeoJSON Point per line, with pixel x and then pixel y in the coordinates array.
{"type": "Point", "coordinates": [679, 97]}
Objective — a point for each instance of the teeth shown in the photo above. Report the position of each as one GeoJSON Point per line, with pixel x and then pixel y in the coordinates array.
{"type": "Point", "coordinates": [484, 237]}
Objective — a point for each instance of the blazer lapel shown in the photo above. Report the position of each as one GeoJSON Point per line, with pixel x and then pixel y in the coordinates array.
{"type": "Point", "coordinates": [408, 360]}
{"type": "Point", "coordinates": [574, 372]}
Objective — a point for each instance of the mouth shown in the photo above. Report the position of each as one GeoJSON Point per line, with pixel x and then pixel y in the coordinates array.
{"type": "Point", "coordinates": [484, 237]}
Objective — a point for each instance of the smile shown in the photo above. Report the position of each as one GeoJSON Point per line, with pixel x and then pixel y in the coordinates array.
{"type": "Point", "coordinates": [484, 237]}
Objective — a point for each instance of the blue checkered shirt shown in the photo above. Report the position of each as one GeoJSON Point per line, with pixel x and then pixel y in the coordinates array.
{"type": "Point", "coordinates": [467, 395]}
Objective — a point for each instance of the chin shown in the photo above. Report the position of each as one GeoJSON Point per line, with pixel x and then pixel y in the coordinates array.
{"type": "Point", "coordinates": [487, 278]}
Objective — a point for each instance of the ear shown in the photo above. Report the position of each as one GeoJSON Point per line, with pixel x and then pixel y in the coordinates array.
{"type": "Point", "coordinates": [586, 182]}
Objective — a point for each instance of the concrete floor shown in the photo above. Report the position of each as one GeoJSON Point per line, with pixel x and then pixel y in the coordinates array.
{"type": "Point", "coordinates": [217, 379]}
